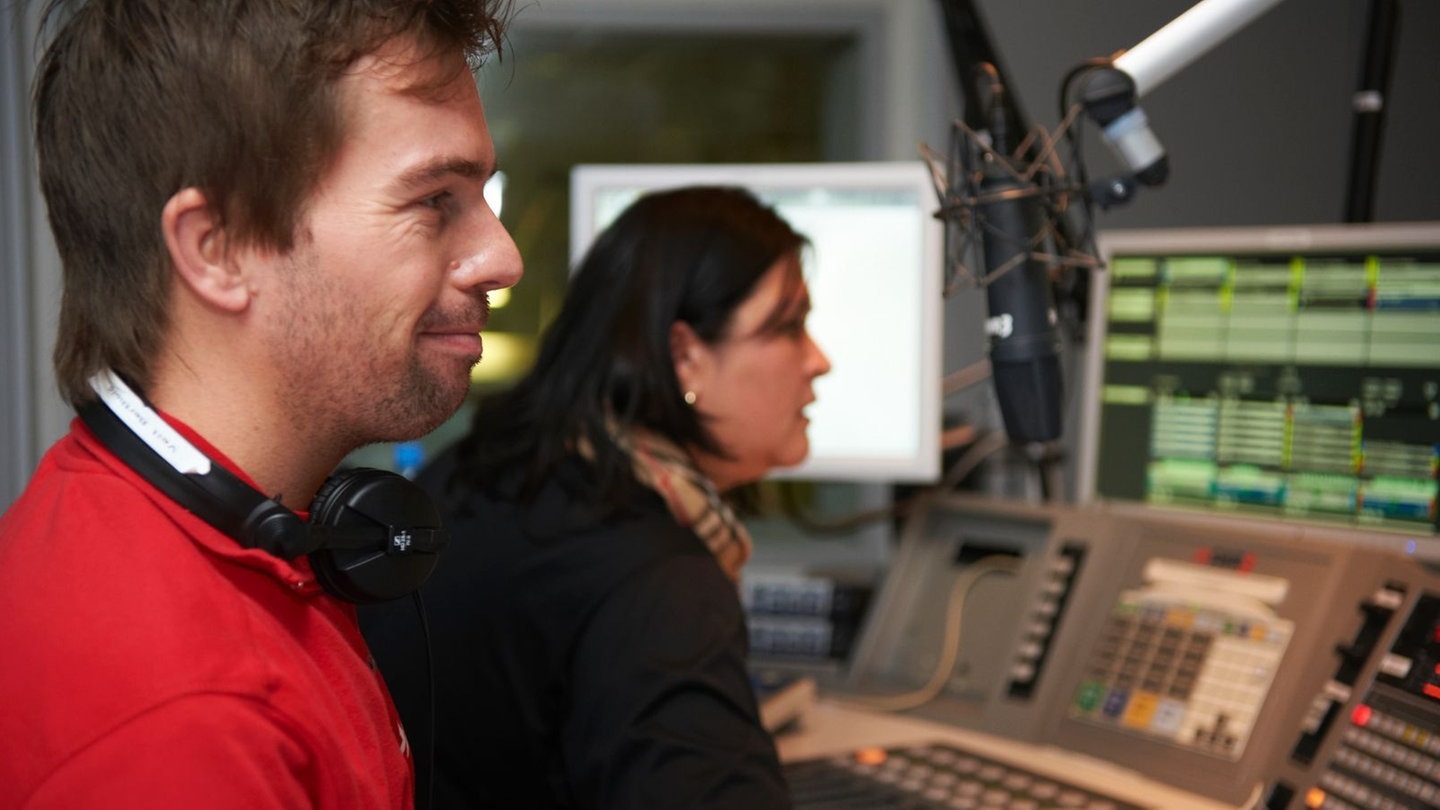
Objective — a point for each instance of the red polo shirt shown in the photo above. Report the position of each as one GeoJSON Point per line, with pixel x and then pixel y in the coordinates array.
{"type": "Point", "coordinates": [147, 660]}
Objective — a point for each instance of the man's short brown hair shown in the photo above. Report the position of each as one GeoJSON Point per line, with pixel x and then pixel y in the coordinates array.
{"type": "Point", "coordinates": [138, 99]}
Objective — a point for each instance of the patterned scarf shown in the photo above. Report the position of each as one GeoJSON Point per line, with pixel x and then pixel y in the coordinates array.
{"type": "Point", "coordinates": [693, 500]}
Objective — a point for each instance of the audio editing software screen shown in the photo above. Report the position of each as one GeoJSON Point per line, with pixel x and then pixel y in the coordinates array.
{"type": "Point", "coordinates": [1291, 371]}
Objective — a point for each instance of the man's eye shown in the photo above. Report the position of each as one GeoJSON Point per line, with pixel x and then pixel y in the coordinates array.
{"type": "Point", "coordinates": [436, 200]}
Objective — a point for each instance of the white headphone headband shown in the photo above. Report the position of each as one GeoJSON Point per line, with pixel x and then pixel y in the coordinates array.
{"type": "Point", "coordinates": [175, 449]}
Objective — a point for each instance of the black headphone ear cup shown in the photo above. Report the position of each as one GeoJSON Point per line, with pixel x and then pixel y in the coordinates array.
{"type": "Point", "coordinates": [373, 535]}
{"type": "Point", "coordinates": [368, 499]}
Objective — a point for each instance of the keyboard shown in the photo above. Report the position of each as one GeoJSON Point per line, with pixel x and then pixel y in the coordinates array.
{"type": "Point", "coordinates": [935, 776]}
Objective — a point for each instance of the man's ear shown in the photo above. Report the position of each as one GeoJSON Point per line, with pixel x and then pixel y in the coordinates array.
{"type": "Point", "coordinates": [196, 239]}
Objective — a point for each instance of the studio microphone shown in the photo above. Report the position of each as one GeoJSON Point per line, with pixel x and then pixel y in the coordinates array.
{"type": "Point", "coordinates": [1024, 342]}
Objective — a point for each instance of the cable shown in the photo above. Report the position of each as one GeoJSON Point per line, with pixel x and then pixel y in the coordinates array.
{"type": "Point", "coordinates": [950, 643]}
{"type": "Point", "coordinates": [1257, 795]}
{"type": "Point", "coordinates": [425, 789]}
{"type": "Point", "coordinates": [955, 381]}
{"type": "Point", "coordinates": [842, 524]}
{"type": "Point", "coordinates": [977, 452]}
{"type": "Point", "coordinates": [1052, 479]}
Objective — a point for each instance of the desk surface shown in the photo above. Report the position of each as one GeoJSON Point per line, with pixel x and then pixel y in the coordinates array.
{"type": "Point", "coordinates": [831, 728]}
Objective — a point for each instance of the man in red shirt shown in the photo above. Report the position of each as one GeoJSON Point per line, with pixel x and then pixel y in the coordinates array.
{"type": "Point", "coordinates": [276, 249]}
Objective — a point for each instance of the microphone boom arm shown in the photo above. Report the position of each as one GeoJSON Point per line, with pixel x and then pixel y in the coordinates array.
{"type": "Point", "coordinates": [1111, 88]}
{"type": "Point", "coordinates": [1186, 38]}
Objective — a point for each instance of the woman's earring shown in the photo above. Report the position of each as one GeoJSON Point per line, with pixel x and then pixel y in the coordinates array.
{"type": "Point", "coordinates": [690, 397]}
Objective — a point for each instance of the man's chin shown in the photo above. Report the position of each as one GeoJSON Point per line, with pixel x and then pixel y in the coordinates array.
{"type": "Point", "coordinates": [445, 408]}
{"type": "Point", "coordinates": [431, 404]}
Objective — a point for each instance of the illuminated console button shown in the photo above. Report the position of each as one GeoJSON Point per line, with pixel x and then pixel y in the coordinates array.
{"type": "Point", "coordinates": [1361, 715]}
{"type": "Point", "coordinates": [871, 756]}
{"type": "Point", "coordinates": [1314, 798]}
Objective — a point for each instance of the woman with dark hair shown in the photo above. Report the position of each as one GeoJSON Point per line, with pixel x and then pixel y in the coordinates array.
{"type": "Point", "coordinates": [588, 639]}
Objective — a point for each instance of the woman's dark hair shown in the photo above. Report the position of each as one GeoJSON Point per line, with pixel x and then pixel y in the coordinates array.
{"type": "Point", "coordinates": [690, 255]}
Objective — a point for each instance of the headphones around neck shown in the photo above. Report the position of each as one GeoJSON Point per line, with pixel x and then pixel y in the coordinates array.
{"type": "Point", "coordinates": [372, 536]}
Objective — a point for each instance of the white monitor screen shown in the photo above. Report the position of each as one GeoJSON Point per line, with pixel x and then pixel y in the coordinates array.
{"type": "Point", "coordinates": [874, 273]}
{"type": "Point", "coordinates": [1291, 372]}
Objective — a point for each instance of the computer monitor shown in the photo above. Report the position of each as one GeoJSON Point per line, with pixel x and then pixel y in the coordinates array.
{"type": "Point", "coordinates": [1271, 371]}
{"type": "Point", "coordinates": [874, 272]}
